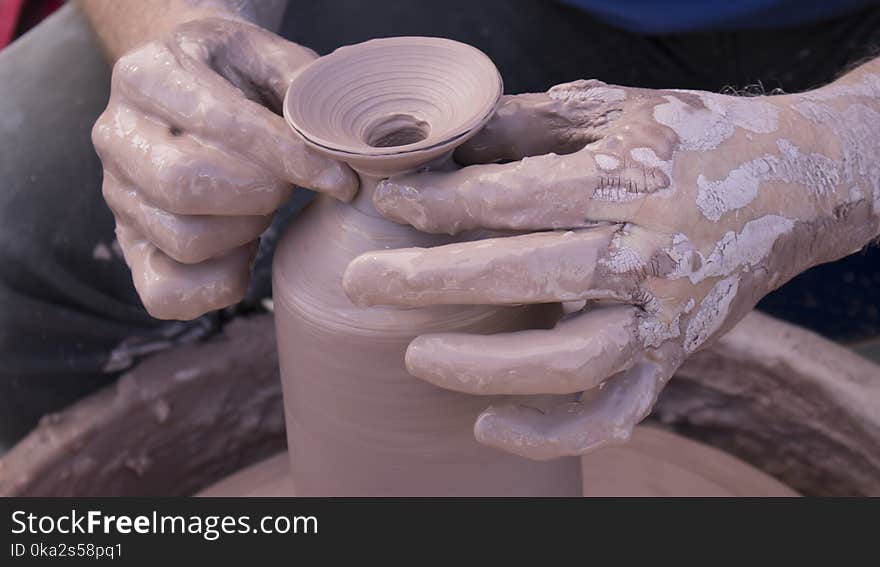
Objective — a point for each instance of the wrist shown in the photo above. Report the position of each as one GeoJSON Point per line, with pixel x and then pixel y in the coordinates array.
{"type": "Point", "coordinates": [836, 130]}
{"type": "Point", "coordinates": [163, 25]}
{"type": "Point", "coordinates": [124, 26]}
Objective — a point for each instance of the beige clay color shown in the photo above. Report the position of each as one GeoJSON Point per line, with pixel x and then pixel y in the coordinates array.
{"type": "Point", "coordinates": [665, 215]}
{"type": "Point", "coordinates": [654, 463]}
{"type": "Point", "coordinates": [669, 214]}
{"type": "Point", "coordinates": [195, 161]}
{"type": "Point", "coordinates": [358, 422]}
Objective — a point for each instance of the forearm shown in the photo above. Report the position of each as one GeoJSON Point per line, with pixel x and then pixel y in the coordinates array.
{"type": "Point", "coordinates": [122, 25]}
{"type": "Point", "coordinates": [844, 117]}
{"type": "Point", "coordinates": [867, 73]}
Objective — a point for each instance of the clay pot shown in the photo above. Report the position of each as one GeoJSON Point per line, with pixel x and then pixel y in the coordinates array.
{"type": "Point", "coordinates": [357, 422]}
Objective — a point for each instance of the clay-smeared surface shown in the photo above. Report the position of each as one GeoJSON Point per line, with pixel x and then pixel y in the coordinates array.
{"type": "Point", "coordinates": [681, 208]}
{"type": "Point", "coordinates": [358, 422]}
{"type": "Point", "coordinates": [196, 159]}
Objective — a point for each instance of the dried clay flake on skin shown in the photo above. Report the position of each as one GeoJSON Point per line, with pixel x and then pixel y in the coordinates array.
{"type": "Point", "coordinates": [733, 252]}
{"type": "Point", "coordinates": [855, 127]}
{"type": "Point", "coordinates": [816, 172]}
{"type": "Point", "coordinates": [706, 128]}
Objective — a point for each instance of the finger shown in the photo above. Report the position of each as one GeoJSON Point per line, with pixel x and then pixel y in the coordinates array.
{"type": "Point", "coordinates": [187, 94]}
{"type": "Point", "coordinates": [578, 354]}
{"type": "Point", "coordinates": [180, 174]}
{"type": "Point", "coordinates": [544, 192]}
{"type": "Point", "coordinates": [542, 267]}
{"type": "Point", "coordinates": [604, 415]}
{"type": "Point", "coordinates": [524, 125]}
{"type": "Point", "coordinates": [185, 238]}
{"type": "Point", "coordinates": [261, 65]}
{"type": "Point", "coordinates": [171, 290]}
{"type": "Point", "coordinates": [563, 120]}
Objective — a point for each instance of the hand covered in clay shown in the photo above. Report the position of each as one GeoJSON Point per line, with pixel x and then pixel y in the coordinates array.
{"type": "Point", "coordinates": [669, 213]}
{"type": "Point", "coordinates": [197, 158]}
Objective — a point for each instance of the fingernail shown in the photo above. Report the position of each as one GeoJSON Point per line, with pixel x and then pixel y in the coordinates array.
{"type": "Point", "coordinates": [359, 281]}
{"type": "Point", "coordinates": [415, 358]}
{"type": "Point", "coordinates": [397, 202]}
{"type": "Point", "coordinates": [513, 429]}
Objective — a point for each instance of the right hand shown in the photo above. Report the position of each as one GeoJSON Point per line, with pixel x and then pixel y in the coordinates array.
{"type": "Point", "coordinates": [674, 211]}
{"type": "Point", "coordinates": [197, 159]}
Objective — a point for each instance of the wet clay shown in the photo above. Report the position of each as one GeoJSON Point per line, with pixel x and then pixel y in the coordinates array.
{"type": "Point", "coordinates": [358, 422]}
{"type": "Point", "coordinates": [667, 214]}
{"type": "Point", "coordinates": [196, 162]}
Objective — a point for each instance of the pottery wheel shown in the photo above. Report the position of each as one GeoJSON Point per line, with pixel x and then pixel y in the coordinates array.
{"type": "Point", "coordinates": [654, 463]}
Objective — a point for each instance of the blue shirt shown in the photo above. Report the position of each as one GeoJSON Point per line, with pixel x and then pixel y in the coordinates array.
{"type": "Point", "coordinates": [670, 16]}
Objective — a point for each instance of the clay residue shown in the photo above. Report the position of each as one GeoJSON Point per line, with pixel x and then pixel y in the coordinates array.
{"type": "Point", "coordinates": [358, 422]}
{"type": "Point", "coordinates": [190, 199]}
{"type": "Point", "coordinates": [709, 202]}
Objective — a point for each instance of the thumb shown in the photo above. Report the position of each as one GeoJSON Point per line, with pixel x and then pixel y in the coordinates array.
{"type": "Point", "coordinates": [563, 120]}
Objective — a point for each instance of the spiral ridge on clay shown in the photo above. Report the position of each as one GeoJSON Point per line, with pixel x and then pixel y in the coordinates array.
{"type": "Point", "coordinates": [394, 95]}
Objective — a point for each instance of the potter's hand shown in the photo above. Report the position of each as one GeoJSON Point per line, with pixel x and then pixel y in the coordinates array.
{"type": "Point", "coordinates": [196, 160]}
{"type": "Point", "coordinates": [670, 213]}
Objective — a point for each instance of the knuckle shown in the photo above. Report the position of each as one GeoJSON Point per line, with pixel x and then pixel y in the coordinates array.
{"type": "Point", "coordinates": [105, 134]}
{"type": "Point", "coordinates": [195, 184]}
{"type": "Point", "coordinates": [134, 70]}
{"type": "Point", "coordinates": [130, 64]}
{"type": "Point", "coordinates": [164, 299]}
{"type": "Point", "coordinates": [185, 244]}
{"type": "Point", "coordinates": [157, 302]}
{"type": "Point", "coordinates": [180, 253]}
{"type": "Point", "coordinates": [170, 241]}
{"type": "Point", "coordinates": [231, 285]}
{"type": "Point", "coordinates": [109, 191]}
{"type": "Point", "coordinates": [587, 91]}
{"type": "Point", "coordinates": [171, 297]}
{"type": "Point", "coordinates": [184, 184]}
{"type": "Point", "coordinates": [125, 65]}
{"type": "Point", "coordinates": [185, 255]}
{"type": "Point", "coordinates": [172, 179]}
{"type": "Point", "coordinates": [101, 135]}
{"type": "Point", "coordinates": [579, 84]}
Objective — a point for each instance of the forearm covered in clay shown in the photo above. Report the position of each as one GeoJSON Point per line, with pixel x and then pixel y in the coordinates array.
{"type": "Point", "coordinates": [801, 183]}
{"type": "Point", "coordinates": [122, 26]}
{"type": "Point", "coordinates": [843, 174]}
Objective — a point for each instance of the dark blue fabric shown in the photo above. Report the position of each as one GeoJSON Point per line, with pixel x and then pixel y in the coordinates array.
{"type": "Point", "coordinates": [672, 16]}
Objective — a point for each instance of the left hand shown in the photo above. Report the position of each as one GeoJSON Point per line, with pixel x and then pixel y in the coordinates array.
{"type": "Point", "coordinates": [197, 159]}
{"type": "Point", "coordinates": [671, 213]}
